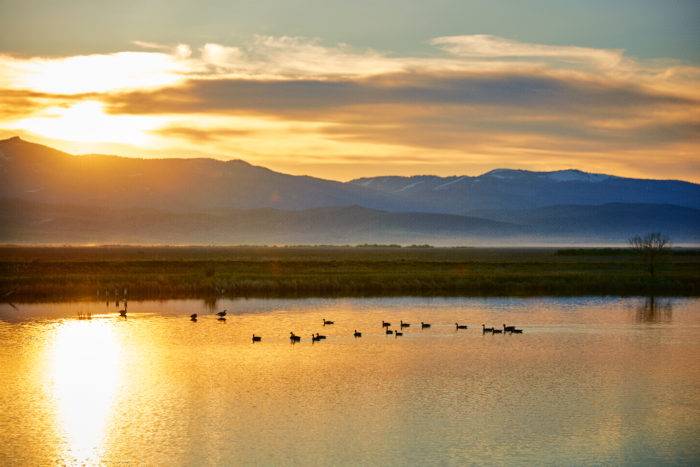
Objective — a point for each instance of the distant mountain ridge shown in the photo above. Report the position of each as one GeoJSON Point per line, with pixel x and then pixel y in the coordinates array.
{"type": "Point", "coordinates": [47, 196]}
{"type": "Point", "coordinates": [523, 189]}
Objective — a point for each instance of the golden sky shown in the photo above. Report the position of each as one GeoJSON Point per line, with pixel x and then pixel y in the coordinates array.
{"type": "Point", "coordinates": [468, 104]}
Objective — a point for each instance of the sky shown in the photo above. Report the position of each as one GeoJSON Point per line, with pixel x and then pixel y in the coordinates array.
{"type": "Point", "coordinates": [339, 89]}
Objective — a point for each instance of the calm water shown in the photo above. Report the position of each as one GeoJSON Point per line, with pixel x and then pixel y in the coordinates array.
{"type": "Point", "coordinates": [590, 381]}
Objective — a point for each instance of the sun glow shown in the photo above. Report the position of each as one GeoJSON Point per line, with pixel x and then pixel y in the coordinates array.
{"type": "Point", "coordinates": [84, 375]}
{"type": "Point", "coordinates": [87, 122]}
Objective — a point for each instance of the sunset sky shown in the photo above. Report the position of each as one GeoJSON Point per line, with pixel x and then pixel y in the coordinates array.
{"type": "Point", "coordinates": [342, 89]}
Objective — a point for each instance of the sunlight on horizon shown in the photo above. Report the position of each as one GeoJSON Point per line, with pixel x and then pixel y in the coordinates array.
{"type": "Point", "coordinates": [87, 122]}
{"type": "Point", "coordinates": [84, 375]}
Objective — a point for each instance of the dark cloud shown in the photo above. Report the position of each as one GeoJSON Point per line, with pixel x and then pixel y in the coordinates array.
{"type": "Point", "coordinates": [302, 96]}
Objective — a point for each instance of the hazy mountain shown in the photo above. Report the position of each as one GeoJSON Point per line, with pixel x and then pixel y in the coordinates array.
{"type": "Point", "coordinates": [517, 189]}
{"type": "Point", "coordinates": [50, 196]}
{"type": "Point", "coordinates": [29, 222]}
{"type": "Point", "coordinates": [38, 173]}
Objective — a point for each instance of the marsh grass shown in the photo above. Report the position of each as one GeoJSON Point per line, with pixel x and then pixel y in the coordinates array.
{"type": "Point", "coordinates": [162, 272]}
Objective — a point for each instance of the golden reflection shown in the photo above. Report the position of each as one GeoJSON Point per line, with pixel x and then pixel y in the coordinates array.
{"type": "Point", "coordinates": [84, 372]}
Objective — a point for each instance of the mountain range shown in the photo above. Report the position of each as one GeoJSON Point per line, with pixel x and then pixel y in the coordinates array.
{"type": "Point", "coordinates": [48, 196]}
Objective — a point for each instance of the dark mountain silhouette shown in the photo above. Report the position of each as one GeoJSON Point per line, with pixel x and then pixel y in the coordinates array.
{"type": "Point", "coordinates": [47, 196]}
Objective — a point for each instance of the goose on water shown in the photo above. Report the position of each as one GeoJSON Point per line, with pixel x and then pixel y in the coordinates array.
{"type": "Point", "coordinates": [320, 336]}
{"type": "Point", "coordinates": [221, 314]}
{"type": "Point", "coordinates": [398, 333]}
{"type": "Point", "coordinates": [460, 326]}
{"type": "Point", "coordinates": [405, 325]}
{"type": "Point", "coordinates": [497, 331]}
{"type": "Point", "coordinates": [389, 331]}
{"type": "Point", "coordinates": [357, 333]}
{"type": "Point", "coordinates": [385, 324]}
{"type": "Point", "coordinates": [424, 325]}
{"type": "Point", "coordinates": [293, 337]}
{"type": "Point", "coordinates": [256, 338]}
{"type": "Point", "coordinates": [193, 317]}
{"type": "Point", "coordinates": [327, 322]}
{"type": "Point", "coordinates": [484, 329]}
{"type": "Point", "coordinates": [315, 338]}
{"type": "Point", "coordinates": [508, 328]}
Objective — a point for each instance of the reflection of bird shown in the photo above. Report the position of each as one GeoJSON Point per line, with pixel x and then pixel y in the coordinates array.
{"type": "Point", "coordinates": [357, 333]}
{"type": "Point", "coordinates": [325, 321]}
{"type": "Point", "coordinates": [460, 326]}
{"type": "Point", "coordinates": [256, 338]}
{"type": "Point", "coordinates": [424, 325]}
{"type": "Point", "coordinates": [221, 314]}
{"type": "Point", "coordinates": [221, 318]}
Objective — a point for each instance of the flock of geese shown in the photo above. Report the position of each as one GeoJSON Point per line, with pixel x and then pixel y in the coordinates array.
{"type": "Point", "coordinates": [317, 337]}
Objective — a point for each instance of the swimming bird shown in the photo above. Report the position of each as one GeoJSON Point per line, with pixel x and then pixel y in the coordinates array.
{"type": "Point", "coordinates": [460, 326]}
{"type": "Point", "coordinates": [385, 324]}
{"type": "Point", "coordinates": [497, 331]}
{"type": "Point", "coordinates": [315, 338]}
{"type": "Point", "coordinates": [357, 333]}
{"type": "Point", "coordinates": [320, 336]}
{"type": "Point", "coordinates": [508, 328]}
{"type": "Point", "coordinates": [122, 313]}
{"type": "Point", "coordinates": [484, 329]}
{"type": "Point", "coordinates": [517, 331]}
{"type": "Point", "coordinates": [325, 321]}
{"type": "Point", "coordinates": [193, 317]}
{"type": "Point", "coordinates": [398, 333]}
{"type": "Point", "coordinates": [389, 331]}
{"type": "Point", "coordinates": [405, 325]}
{"type": "Point", "coordinates": [221, 314]}
{"type": "Point", "coordinates": [256, 338]}
{"type": "Point", "coordinates": [294, 338]}
{"type": "Point", "coordinates": [424, 325]}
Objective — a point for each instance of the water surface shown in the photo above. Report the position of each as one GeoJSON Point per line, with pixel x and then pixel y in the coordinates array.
{"type": "Point", "coordinates": [591, 380]}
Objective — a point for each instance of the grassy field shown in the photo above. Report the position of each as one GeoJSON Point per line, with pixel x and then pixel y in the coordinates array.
{"type": "Point", "coordinates": [56, 273]}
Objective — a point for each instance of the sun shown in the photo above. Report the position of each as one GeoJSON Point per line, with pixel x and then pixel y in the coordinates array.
{"type": "Point", "coordinates": [87, 122]}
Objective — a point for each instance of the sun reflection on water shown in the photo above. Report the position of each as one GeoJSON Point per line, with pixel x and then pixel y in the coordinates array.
{"type": "Point", "coordinates": [84, 375]}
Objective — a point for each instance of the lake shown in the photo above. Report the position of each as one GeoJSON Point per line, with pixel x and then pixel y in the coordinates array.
{"type": "Point", "coordinates": [590, 380]}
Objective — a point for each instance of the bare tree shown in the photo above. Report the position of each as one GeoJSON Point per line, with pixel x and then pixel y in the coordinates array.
{"type": "Point", "coordinates": [650, 247]}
